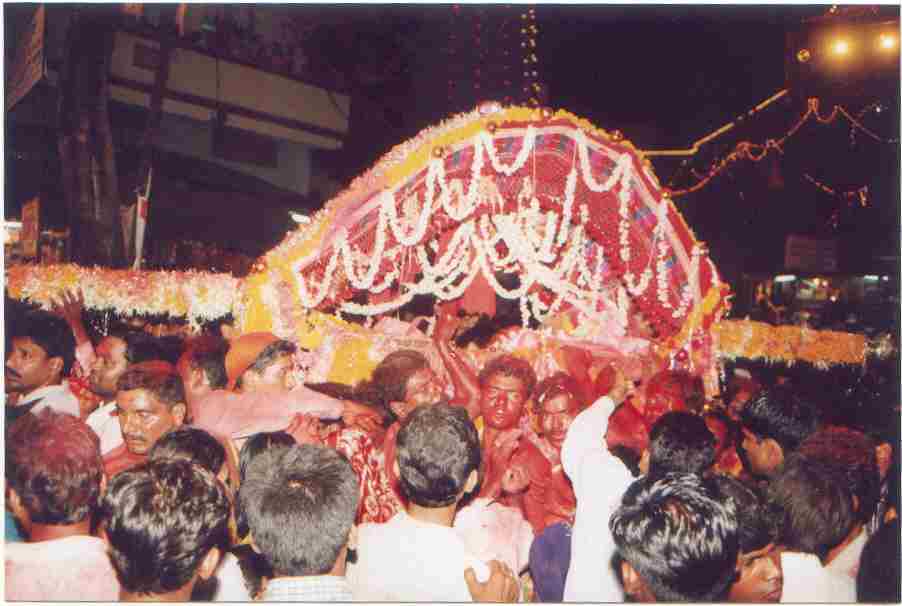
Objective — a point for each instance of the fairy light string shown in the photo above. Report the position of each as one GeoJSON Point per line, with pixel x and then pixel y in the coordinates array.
{"type": "Point", "coordinates": [756, 152]}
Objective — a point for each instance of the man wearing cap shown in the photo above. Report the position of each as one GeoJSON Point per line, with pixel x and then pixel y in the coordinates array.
{"type": "Point", "coordinates": [265, 395]}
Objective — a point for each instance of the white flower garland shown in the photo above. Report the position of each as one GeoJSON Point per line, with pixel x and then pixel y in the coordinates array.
{"type": "Point", "coordinates": [545, 248]}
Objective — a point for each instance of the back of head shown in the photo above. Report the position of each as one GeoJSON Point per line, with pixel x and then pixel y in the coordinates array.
{"type": "Point", "coordinates": [300, 504]}
{"type": "Point", "coordinates": [161, 519]}
{"type": "Point", "coordinates": [680, 535]}
{"type": "Point", "coordinates": [776, 413]}
{"type": "Point", "coordinates": [50, 333]}
{"type": "Point", "coordinates": [680, 442]}
{"type": "Point", "coordinates": [139, 346]}
{"type": "Point", "coordinates": [256, 445]}
{"type": "Point", "coordinates": [851, 454]}
{"type": "Point", "coordinates": [663, 393]}
{"type": "Point", "coordinates": [438, 449]}
{"type": "Point", "coordinates": [758, 523]}
{"type": "Point", "coordinates": [878, 569]}
{"type": "Point", "coordinates": [207, 353]}
{"type": "Point", "coordinates": [816, 506]}
{"type": "Point", "coordinates": [53, 463]}
{"type": "Point", "coordinates": [193, 445]}
{"type": "Point", "coordinates": [259, 443]}
{"type": "Point", "coordinates": [510, 366]}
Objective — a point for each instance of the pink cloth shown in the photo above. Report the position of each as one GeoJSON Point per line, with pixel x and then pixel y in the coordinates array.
{"type": "Point", "coordinates": [71, 569]}
{"type": "Point", "coordinates": [492, 531]}
{"type": "Point", "coordinates": [241, 415]}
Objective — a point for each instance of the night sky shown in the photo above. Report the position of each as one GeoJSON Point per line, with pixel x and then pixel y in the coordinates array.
{"type": "Point", "coordinates": [666, 76]}
{"type": "Point", "coordinates": [663, 75]}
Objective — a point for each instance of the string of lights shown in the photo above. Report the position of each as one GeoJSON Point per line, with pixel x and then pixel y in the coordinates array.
{"type": "Point", "coordinates": [860, 194]}
{"type": "Point", "coordinates": [756, 152]}
{"type": "Point", "coordinates": [532, 88]}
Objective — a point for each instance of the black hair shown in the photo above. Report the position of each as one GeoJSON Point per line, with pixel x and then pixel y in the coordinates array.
{"type": "Point", "coordinates": [300, 503]}
{"type": "Point", "coordinates": [758, 522]}
{"type": "Point", "coordinates": [389, 380]}
{"type": "Point", "coordinates": [259, 443]}
{"type": "Point", "coordinates": [165, 384]}
{"type": "Point", "coordinates": [256, 445]}
{"type": "Point", "coordinates": [190, 444]}
{"type": "Point", "coordinates": [438, 449]}
{"type": "Point", "coordinates": [680, 441]}
{"type": "Point", "coordinates": [851, 454]}
{"type": "Point", "coordinates": [878, 568]}
{"type": "Point", "coordinates": [680, 535]}
{"type": "Point", "coordinates": [161, 520]}
{"type": "Point", "coordinates": [48, 332]}
{"type": "Point", "coordinates": [270, 354]}
{"type": "Point", "coordinates": [510, 366]}
{"type": "Point", "coordinates": [139, 346]}
{"type": "Point", "coordinates": [815, 504]}
{"type": "Point", "coordinates": [776, 413]}
{"type": "Point", "coordinates": [628, 457]}
{"type": "Point", "coordinates": [208, 354]}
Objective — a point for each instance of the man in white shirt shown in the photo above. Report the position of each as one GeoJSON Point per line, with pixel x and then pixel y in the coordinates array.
{"type": "Point", "coordinates": [42, 353]}
{"type": "Point", "coordinates": [818, 515]}
{"type": "Point", "coordinates": [54, 477]}
{"type": "Point", "coordinates": [417, 555]}
{"type": "Point", "coordinates": [599, 480]}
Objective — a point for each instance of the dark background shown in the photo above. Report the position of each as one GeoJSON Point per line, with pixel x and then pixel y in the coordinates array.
{"type": "Point", "coordinates": [663, 75]}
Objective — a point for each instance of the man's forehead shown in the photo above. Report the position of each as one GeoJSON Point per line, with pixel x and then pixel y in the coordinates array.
{"type": "Point", "coordinates": [560, 402]}
{"type": "Point", "coordinates": [138, 399]}
{"type": "Point", "coordinates": [26, 342]}
{"type": "Point", "coordinates": [503, 382]}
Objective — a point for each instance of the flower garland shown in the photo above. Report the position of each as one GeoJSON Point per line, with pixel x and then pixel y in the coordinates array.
{"type": "Point", "coordinates": [197, 296]}
{"type": "Point", "coordinates": [534, 239]}
{"type": "Point", "coordinates": [789, 344]}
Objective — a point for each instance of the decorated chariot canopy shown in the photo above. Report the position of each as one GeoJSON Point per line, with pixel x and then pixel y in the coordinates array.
{"type": "Point", "coordinates": [530, 205]}
{"type": "Point", "coordinates": [572, 212]}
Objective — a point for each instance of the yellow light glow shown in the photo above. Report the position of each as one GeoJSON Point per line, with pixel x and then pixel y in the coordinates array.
{"type": "Point", "coordinates": [887, 42]}
{"type": "Point", "coordinates": [840, 47]}
{"type": "Point", "coordinates": [803, 55]}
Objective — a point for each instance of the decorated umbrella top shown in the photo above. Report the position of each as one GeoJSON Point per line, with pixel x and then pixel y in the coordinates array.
{"type": "Point", "coordinates": [573, 212]}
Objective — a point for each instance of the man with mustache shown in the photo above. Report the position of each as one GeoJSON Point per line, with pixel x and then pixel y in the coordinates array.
{"type": "Point", "coordinates": [41, 353]}
{"type": "Point", "coordinates": [112, 356]}
{"type": "Point", "coordinates": [150, 402]}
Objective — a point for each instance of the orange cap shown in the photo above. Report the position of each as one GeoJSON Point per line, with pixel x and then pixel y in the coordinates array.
{"type": "Point", "coordinates": [244, 351]}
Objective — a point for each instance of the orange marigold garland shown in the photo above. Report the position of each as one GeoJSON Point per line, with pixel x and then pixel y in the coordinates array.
{"type": "Point", "coordinates": [790, 344]}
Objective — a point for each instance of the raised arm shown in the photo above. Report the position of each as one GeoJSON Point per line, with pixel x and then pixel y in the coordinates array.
{"type": "Point", "coordinates": [69, 307]}
{"type": "Point", "coordinates": [463, 378]}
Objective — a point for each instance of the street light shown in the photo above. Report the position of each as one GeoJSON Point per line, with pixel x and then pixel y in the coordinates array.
{"type": "Point", "coordinates": [887, 42]}
{"type": "Point", "coordinates": [840, 47]}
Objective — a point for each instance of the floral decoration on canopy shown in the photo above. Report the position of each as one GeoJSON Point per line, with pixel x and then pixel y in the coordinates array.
{"type": "Point", "coordinates": [572, 211]}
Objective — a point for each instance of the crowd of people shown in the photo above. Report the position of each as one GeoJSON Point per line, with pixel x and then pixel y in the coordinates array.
{"type": "Point", "coordinates": [202, 467]}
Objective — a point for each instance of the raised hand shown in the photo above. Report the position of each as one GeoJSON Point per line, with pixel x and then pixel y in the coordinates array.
{"type": "Point", "coordinates": [69, 305]}
{"type": "Point", "coordinates": [446, 323]}
{"type": "Point", "coordinates": [362, 417]}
